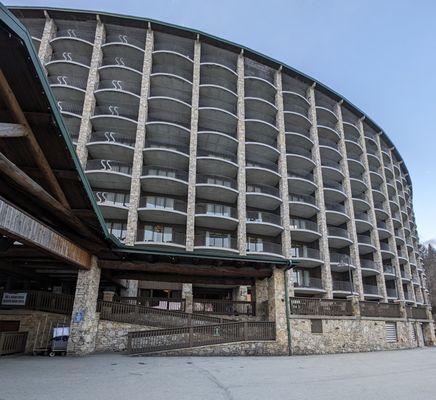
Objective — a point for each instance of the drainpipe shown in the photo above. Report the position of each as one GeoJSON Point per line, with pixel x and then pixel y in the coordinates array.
{"type": "Point", "coordinates": [288, 308]}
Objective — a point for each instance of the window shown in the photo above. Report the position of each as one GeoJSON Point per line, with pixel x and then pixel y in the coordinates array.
{"type": "Point", "coordinates": [218, 209]}
{"type": "Point", "coordinates": [158, 233]}
{"type": "Point", "coordinates": [391, 332]}
{"type": "Point", "coordinates": [159, 202]}
{"type": "Point", "coordinates": [118, 229]}
{"type": "Point", "coordinates": [301, 277]}
{"type": "Point", "coordinates": [254, 244]}
{"type": "Point", "coordinates": [218, 239]}
{"type": "Point", "coordinates": [316, 325]}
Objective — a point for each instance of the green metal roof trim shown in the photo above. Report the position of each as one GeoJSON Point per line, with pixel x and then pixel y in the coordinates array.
{"type": "Point", "coordinates": [255, 55]}
{"type": "Point", "coordinates": [15, 25]}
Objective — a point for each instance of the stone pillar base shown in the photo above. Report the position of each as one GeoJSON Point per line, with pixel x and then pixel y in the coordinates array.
{"type": "Point", "coordinates": [187, 295]}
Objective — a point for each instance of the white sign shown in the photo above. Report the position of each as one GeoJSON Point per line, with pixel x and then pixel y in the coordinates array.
{"type": "Point", "coordinates": [14, 299]}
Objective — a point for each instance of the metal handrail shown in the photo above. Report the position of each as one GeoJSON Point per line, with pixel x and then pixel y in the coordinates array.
{"type": "Point", "coordinates": [156, 170]}
{"type": "Point", "coordinates": [69, 56]}
{"type": "Point", "coordinates": [173, 204]}
{"type": "Point", "coordinates": [218, 180]}
{"type": "Point", "coordinates": [108, 165]}
{"type": "Point", "coordinates": [335, 231]}
{"type": "Point", "coordinates": [305, 252]}
{"type": "Point", "coordinates": [263, 216]}
{"type": "Point", "coordinates": [302, 198]}
{"type": "Point", "coordinates": [216, 210]}
{"type": "Point", "coordinates": [303, 224]}
{"type": "Point", "coordinates": [65, 80]}
{"type": "Point", "coordinates": [112, 198]}
{"type": "Point", "coordinates": [265, 189]}
{"type": "Point", "coordinates": [119, 61]}
{"type": "Point", "coordinates": [119, 85]}
{"type": "Point", "coordinates": [112, 137]}
{"type": "Point", "coordinates": [264, 247]}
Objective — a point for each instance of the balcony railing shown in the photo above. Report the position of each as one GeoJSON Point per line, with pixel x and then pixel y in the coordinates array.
{"type": "Point", "coordinates": [217, 180]}
{"type": "Point", "coordinates": [339, 232]}
{"type": "Point", "coordinates": [150, 144]}
{"type": "Point", "coordinates": [124, 38]}
{"type": "Point", "coordinates": [333, 185]}
{"type": "Point", "coordinates": [223, 307]}
{"type": "Point", "coordinates": [167, 203]}
{"type": "Point", "coordinates": [392, 292]}
{"type": "Point", "coordinates": [389, 269]}
{"type": "Point", "coordinates": [216, 210]}
{"type": "Point", "coordinates": [161, 236]}
{"type": "Point", "coordinates": [343, 286]}
{"type": "Point", "coordinates": [265, 189]}
{"type": "Point", "coordinates": [119, 85]}
{"type": "Point", "coordinates": [151, 170]}
{"type": "Point", "coordinates": [375, 309]}
{"type": "Point", "coordinates": [224, 155]}
{"type": "Point", "coordinates": [301, 151]}
{"type": "Point", "coordinates": [309, 283]}
{"type": "Point", "coordinates": [112, 198]}
{"type": "Point", "coordinates": [302, 174]}
{"type": "Point", "coordinates": [109, 166]}
{"type": "Point", "coordinates": [335, 207]}
{"type": "Point", "coordinates": [116, 110]}
{"type": "Point", "coordinates": [370, 289]}
{"type": "Point", "coordinates": [364, 239]}
{"type": "Point", "coordinates": [112, 137]}
{"type": "Point", "coordinates": [305, 252]}
{"type": "Point", "coordinates": [65, 80]}
{"type": "Point", "coordinates": [264, 247]}
{"type": "Point", "coordinates": [71, 57]}
{"type": "Point", "coordinates": [328, 143]}
{"type": "Point", "coordinates": [303, 224]}
{"type": "Point", "coordinates": [262, 164]}
{"type": "Point", "coordinates": [119, 61]}
{"type": "Point", "coordinates": [216, 240]}
{"type": "Point", "coordinates": [262, 216]}
{"type": "Point", "coordinates": [302, 198]}
{"type": "Point", "coordinates": [71, 108]}
{"type": "Point", "coordinates": [76, 33]}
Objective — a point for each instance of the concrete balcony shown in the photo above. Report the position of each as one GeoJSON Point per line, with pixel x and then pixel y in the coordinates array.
{"type": "Point", "coordinates": [218, 216]}
{"type": "Point", "coordinates": [217, 120]}
{"type": "Point", "coordinates": [309, 286]}
{"type": "Point", "coordinates": [262, 172]}
{"type": "Point", "coordinates": [360, 202]}
{"type": "Point", "coordinates": [173, 133]}
{"type": "Point", "coordinates": [303, 205]}
{"type": "Point", "coordinates": [371, 292]}
{"type": "Point", "coordinates": [256, 86]}
{"type": "Point", "coordinates": [377, 194]}
{"type": "Point", "coordinates": [213, 187]}
{"type": "Point", "coordinates": [166, 154]}
{"type": "Point", "coordinates": [71, 112]}
{"type": "Point", "coordinates": [369, 267]}
{"type": "Point", "coordinates": [263, 223]}
{"type": "Point", "coordinates": [299, 158]}
{"type": "Point", "coordinates": [301, 181]}
{"type": "Point", "coordinates": [300, 137]}
{"type": "Point", "coordinates": [392, 293]}
{"type": "Point", "coordinates": [362, 222]}
{"type": "Point", "coordinates": [371, 137]}
{"type": "Point", "coordinates": [260, 131]}
{"type": "Point", "coordinates": [69, 64]}
{"type": "Point", "coordinates": [263, 196]}
{"type": "Point", "coordinates": [109, 174]}
{"type": "Point", "coordinates": [355, 164]}
{"type": "Point", "coordinates": [216, 242]}
{"type": "Point", "coordinates": [255, 150]}
{"type": "Point", "coordinates": [210, 161]}
{"type": "Point", "coordinates": [169, 109]}
{"type": "Point", "coordinates": [164, 180]}
{"type": "Point", "coordinates": [329, 149]}
{"type": "Point", "coordinates": [125, 46]}
{"type": "Point", "coordinates": [114, 67]}
{"type": "Point", "coordinates": [357, 182]}
{"type": "Point", "coordinates": [296, 117]}
{"type": "Point", "coordinates": [386, 251]}
{"type": "Point", "coordinates": [68, 88]}
{"type": "Point", "coordinates": [338, 237]}
{"type": "Point", "coordinates": [336, 214]}
{"type": "Point", "coordinates": [383, 231]}
{"type": "Point", "coordinates": [327, 128]}
{"type": "Point", "coordinates": [104, 145]}
{"type": "Point", "coordinates": [303, 230]}
{"type": "Point", "coordinates": [380, 211]}
{"type": "Point", "coordinates": [73, 40]}
{"type": "Point", "coordinates": [216, 96]}
{"type": "Point", "coordinates": [166, 210]}
{"type": "Point", "coordinates": [306, 257]}
{"type": "Point", "coordinates": [365, 244]}
{"type": "Point", "coordinates": [113, 206]}
{"type": "Point", "coordinates": [213, 71]}
{"type": "Point", "coordinates": [260, 109]}
{"type": "Point", "coordinates": [261, 248]}
{"type": "Point", "coordinates": [340, 262]}
{"type": "Point", "coordinates": [334, 191]}
{"type": "Point", "coordinates": [375, 174]}
{"type": "Point", "coordinates": [163, 84]}
{"type": "Point", "coordinates": [160, 238]}
{"type": "Point", "coordinates": [118, 92]}
{"type": "Point", "coordinates": [173, 61]}
{"type": "Point", "coordinates": [114, 117]}
{"type": "Point", "coordinates": [331, 170]}
{"type": "Point", "coordinates": [343, 289]}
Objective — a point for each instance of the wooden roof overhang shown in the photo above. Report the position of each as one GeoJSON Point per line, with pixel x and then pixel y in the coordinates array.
{"type": "Point", "coordinates": [41, 178]}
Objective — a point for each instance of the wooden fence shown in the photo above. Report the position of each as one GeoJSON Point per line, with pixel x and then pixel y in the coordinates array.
{"type": "Point", "coordinates": [315, 306]}
{"type": "Point", "coordinates": [12, 342]}
{"type": "Point", "coordinates": [188, 337]}
{"type": "Point", "coordinates": [42, 301]}
{"type": "Point", "coordinates": [135, 314]}
{"type": "Point", "coordinates": [224, 307]}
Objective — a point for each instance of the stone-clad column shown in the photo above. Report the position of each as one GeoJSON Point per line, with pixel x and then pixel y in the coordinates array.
{"type": "Point", "coordinates": [322, 221]}
{"type": "Point", "coordinates": [187, 295]}
{"type": "Point", "coordinates": [277, 307]}
{"type": "Point", "coordinates": [84, 319]}
{"type": "Point", "coordinates": [190, 219]}
{"type": "Point", "coordinates": [45, 50]}
{"type": "Point", "coordinates": [349, 207]}
{"type": "Point", "coordinates": [242, 182]}
{"type": "Point", "coordinates": [283, 171]}
{"type": "Point", "coordinates": [372, 216]}
{"type": "Point", "coordinates": [135, 186]}
{"type": "Point", "coordinates": [89, 102]}
{"type": "Point", "coordinates": [390, 227]}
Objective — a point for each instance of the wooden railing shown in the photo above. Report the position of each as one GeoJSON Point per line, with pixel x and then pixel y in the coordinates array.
{"type": "Point", "coordinates": [375, 309]}
{"type": "Point", "coordinates": [188, 337]}
{"type": "Point", "coordinates": [135, 314]}
{"type": "Point", "coordinates": [12, 342]}
{"type": "Point", "coordinates": [162, 303]}
{"type": "Point", "coordinates": [224, 307]}
{"type": "Point", "coordinates": [314, 306]}
{"type": "Point", "coordinates": [42, 301]}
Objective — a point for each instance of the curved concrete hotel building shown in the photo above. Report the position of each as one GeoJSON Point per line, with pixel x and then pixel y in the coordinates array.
{"type": "Point", "coordinates": [197, 147]}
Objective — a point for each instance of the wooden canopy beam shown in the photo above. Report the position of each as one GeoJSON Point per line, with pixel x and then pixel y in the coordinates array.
{"type": "Point", "coordinates": [20, 226]}
{"type": "Point", "coordinates": [28, 185]}
{"type": "Point", "coordinates": [8, 130]}
{"type": "Point", "coordinates": [14, 107]}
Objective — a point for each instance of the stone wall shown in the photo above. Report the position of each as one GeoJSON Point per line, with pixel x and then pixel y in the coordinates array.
{"type": "Point", "coordinates": [38, 324]}
{"type": "Point", "coordinates": [112, 336]}
{"type": "Point", "coordinates": [346, 335]}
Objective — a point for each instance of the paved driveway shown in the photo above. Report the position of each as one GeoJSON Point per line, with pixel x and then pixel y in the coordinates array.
{"type": "Point", "coordinates": [396, 375]}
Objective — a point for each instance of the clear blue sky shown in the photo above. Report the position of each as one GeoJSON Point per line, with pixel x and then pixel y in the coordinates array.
{"type": "Point", "coordinates": [379, 54]}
